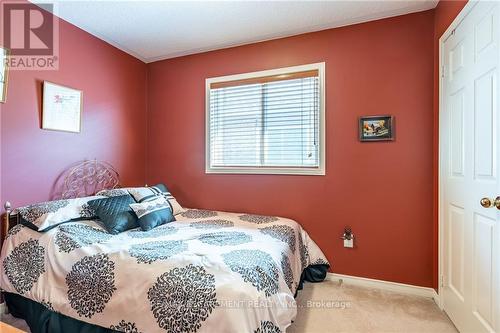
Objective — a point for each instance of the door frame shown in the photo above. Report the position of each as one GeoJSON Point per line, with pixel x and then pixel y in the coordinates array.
{"type": "Point", "coordinates": [451, 29]}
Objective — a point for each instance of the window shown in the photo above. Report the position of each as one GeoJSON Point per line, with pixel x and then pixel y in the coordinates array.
{"type": "Point", "coordinates": [268, 122]}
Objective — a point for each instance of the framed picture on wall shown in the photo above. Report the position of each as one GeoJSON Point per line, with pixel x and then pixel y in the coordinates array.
{"type": "Point", "coordinates": [376, 128]}
{"type": "Point", "coordinates": [62, 108]}
{"type": "Point", "coordinates": [4, 73]}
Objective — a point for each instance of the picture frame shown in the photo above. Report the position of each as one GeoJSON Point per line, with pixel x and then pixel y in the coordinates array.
{"type": "Point", "coordinates": [61, 108]}
{"type": "Point", "coordinates": [4, 73]}
{"type": "Point", "coordinates": [376, 128]}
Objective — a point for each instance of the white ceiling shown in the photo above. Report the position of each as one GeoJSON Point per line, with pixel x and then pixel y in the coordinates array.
{"type": "Point", "coordinates": [155, 30]}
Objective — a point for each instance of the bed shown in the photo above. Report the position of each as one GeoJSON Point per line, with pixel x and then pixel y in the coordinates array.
{"type": "Point", "coordinates": [208, 271]}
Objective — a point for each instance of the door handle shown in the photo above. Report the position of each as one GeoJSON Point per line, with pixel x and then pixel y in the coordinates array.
{"type": "Point", "coordinates": [490, 203]}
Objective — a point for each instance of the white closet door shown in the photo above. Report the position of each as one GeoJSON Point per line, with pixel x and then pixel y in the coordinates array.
{"type": "Point", "coordinates": [470, 125]}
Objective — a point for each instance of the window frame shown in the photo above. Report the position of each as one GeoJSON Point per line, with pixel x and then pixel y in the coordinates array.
{"type": "Point", "coordinates": [315, 171]}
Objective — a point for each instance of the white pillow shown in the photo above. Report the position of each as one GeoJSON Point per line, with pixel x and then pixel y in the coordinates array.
{"type": "Point", "coordinates": [45, 215]}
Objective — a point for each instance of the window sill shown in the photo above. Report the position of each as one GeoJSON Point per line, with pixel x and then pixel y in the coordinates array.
{"type": "Point", "coordinates": [267, 171]}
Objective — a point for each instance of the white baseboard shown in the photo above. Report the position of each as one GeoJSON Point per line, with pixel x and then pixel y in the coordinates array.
{"type": "Point", "coordinates": [437, 299]}
{"type": "Point", "coordinates": [385, 285]}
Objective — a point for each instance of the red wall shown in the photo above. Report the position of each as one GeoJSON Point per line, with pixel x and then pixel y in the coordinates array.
{"type": "Point", "coordinates": [113, 129]}
{"type": "Point", "coordinates": [383, 190]}
{"type": "Point", "coordinates": [380, 189]}
{"type": "Point", "coordinates": [444, 14]}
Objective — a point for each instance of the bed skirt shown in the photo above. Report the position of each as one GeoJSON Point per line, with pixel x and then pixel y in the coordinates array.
{"type": "Point", "coordinates": [42, 320]}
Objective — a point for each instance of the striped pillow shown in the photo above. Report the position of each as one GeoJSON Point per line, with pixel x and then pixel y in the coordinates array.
{"type": "Point", "coordinates": [145, 194]}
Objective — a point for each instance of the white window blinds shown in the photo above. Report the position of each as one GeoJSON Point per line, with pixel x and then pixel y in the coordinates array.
{"type": "Point", "coordinates": [266, 123]}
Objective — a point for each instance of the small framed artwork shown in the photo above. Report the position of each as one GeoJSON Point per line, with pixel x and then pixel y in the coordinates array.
{"type": "Point", "coordinates": [62, 108]}
{"type": "Point", "coordinates": [376, 128]}
{"type": "Point", "coordinates": [4, 73]}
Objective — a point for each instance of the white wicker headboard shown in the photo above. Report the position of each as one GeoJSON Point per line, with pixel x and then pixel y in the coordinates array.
{"type": "Point", "coordinates": [88, 178]}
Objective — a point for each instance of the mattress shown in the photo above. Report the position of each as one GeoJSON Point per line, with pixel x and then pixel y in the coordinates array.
{"type": "Point", "coordinates": [208, 271]}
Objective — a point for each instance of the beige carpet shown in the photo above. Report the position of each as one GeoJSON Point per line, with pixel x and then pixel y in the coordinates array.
{"type": "Point", "coordinates": [331, 307]}
{"type": "Point", "coordinates": [346, 308]}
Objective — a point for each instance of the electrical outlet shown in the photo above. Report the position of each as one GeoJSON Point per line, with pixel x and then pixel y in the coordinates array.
{"type": "Point", "coordinates": [349, 243]}
{"type": "Point", "coordinates": [348, 237]}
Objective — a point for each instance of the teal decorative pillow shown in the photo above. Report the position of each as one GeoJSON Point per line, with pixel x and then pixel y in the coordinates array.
{"type": "Point", "coordinates": [143, 194]}
{"type": "Point", "coordinates": [153, 213]}
{"type": "Point", "coordinates": [115, 213]}
{"type": "Point", "coordinates": [46, 215]}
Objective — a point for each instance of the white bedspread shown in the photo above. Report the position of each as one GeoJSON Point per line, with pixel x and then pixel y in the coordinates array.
{"type": "Point", "coordinates": [208, 272]}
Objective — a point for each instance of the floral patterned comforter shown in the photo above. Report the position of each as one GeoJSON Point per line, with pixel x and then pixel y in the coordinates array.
{"type": "Point", "coordinates": [207, 272]}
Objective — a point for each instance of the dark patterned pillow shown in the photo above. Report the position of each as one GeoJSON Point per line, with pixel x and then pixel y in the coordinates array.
{"type": "Point", "coordinates": [153, 213]}
{"type": "Point", "coordinates": [115, 213]}
{"type": "Point", "coordinates": [143, 194]}
{"type": "Point", "coordinates": [46, 215]}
